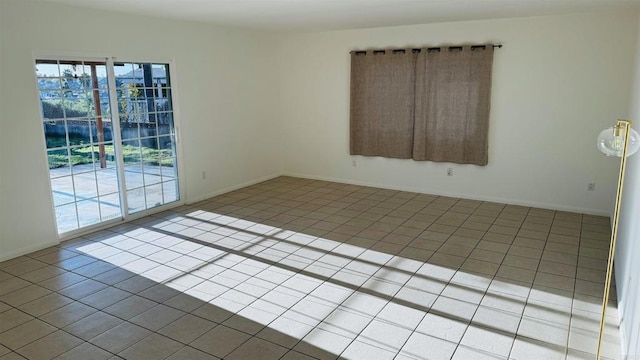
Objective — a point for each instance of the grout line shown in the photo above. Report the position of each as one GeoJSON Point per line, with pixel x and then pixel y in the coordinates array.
{"type": "Point", "coordinates": [358, 200]}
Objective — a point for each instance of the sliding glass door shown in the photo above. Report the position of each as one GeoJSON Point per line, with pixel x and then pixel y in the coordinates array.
{"type": "Point", "coordinates": [101, 169]}
{"type": "Point", "coordinates": [148, 134]}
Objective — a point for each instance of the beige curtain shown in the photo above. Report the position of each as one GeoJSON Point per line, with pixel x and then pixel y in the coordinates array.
{"type": "Point", "coordinates": [453, 89]}
{"type": "Point", "coordinates": [382, 103]}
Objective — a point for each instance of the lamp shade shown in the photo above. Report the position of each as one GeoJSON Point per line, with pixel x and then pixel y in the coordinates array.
{"type": "Point", "coordinates": [611, 142]}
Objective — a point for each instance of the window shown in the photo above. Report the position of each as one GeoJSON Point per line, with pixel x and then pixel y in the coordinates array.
{"type": "Point", "coordinates": [422, 104]}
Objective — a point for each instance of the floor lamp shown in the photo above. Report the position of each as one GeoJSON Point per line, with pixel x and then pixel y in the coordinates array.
{"type": "Point", "coordinates": [621, 141]}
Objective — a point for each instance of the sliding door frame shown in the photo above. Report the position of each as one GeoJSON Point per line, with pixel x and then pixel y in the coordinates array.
{"type": "Point", "coordinates": [117, 138]}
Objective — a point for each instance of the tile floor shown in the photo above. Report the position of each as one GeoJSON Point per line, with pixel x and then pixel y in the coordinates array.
{"type": "Point", "coordinates": [301, 269]}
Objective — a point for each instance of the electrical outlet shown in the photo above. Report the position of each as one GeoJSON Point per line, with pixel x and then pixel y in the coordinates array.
{"type": "Point", "coordinates": [354, 163]}
{"type": "Point", "coordinates": [450, 172]}
{"type": "Point", "coordinates": [591, 187]}
{"type": "Point", "coordinates": [204, 175]}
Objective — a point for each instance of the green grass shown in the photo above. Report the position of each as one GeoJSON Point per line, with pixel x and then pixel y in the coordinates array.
{"type": "Point", "coordinates": [131, 154]}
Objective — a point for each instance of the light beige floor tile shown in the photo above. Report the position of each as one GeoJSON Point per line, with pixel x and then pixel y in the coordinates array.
{"type": "Point", "coordinates": [157, 317]}
{"type": "Point", "coordinates": [49, 346]}
{"type": "Point", "coordinates": [360, 350]}
{"type": "Point", "coordinates": [420, 346]}
{"type": "Point", "coordinates": [120, 337]}
{"type": "Point", "coordinates": [152, 347]}
{"type": "Point", "coordinates": [442, 327]}
{"type": "Point", "coordinates": [85, 351]}
{"type": "Point", "coordinates": [11, 356]}
{"type": "Point", "coordinates": [385, 335]}
{"type": "Point", "coordinates": [467, 353]}
{"type": "Point", "coordinates": [24, 295]}
{"type": "Point", "coordinates": [496, 319]}
{"type": "Point", "coordinates": [22, 267]}
{"type": "Point", "coordinates": [43, 273]}
{"type": "Point", "coordinates": [68, 314]}
{"type": "Point", "coordinates": [256, 348]}
{"type": "Point", "coordinates": [25, 333]}
{"type": "Point", "coordinates": [488, 340]}
{"type": "Point", "coordinates": [285, 332]}
{"type": "Point", "coordinates": [105, 297]}
{"type": "Point", "coordinates": [93, 325]}
{"type": "Point", "coordinates": [294, 355]}
{"type": "Point", "coordinates": [130, 307]}
{"type": "Point", "coordinates": [322, 344]}
{"type": "Point", "coordinates": [4, 307]}
{"type": "Point", "coordinates": [454, 309]}
{"type": "Point", "coordinates": [525, 348]}
{"type": "Point", "coordinates": [220, 341]}
{"type": "Point", "coordinates": [191, 354]}
{"type": "Point", "coordinates": [187, 328]}
{"type": "Point", "coordinates": [45, 304]}
{"type": "Point", "coordinates": [12, 318]}
{"type": "Point", "coordinates": [543, 331]}
{"type": "Point", "coordinates": [82, 289]}
{"type": "Point", "coordinates": [62, 281]}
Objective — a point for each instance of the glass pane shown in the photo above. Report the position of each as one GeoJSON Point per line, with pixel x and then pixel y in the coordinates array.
{"type": "Point", "coordinates": [165, 144]}
{"type": "Point", "coordinates": [79, 132]}
{"type": "Point", "coordinates": [66, 217]}
{"type": "Point", "coordinates": [47, 70]}
{"type": "Point", "coordinates": [51, 102]}
{"type": "Point", "coordinates": [101, 73]}
{"type": "Point", "coordinates": [82, 159]}
{"type": "Point", "coordinates": [49, 83]}
{"type": "Point", "coordinates": [101, 130]}
{"type": "Point", "coordinates": [149, 149]}
{"type": "Point", "coordinates": [88, 212]}
{"type": "Point", "coordinates": [164, 103]}
{"type": "Point", "coordinates": [148, 129]}
{"type": "Point", "coordinates": [104, 103]}
{"type": "Point", "coordinates": [165, 123]}
{"type": "Point", "coordinates": [154, 195]}
{"type": "Point", "coordinates": [122, 70]}
{"type": "Point", "coordinates": [135, 200]}
{"type": "Point", "coordinates": [62, 189]}
{"type": "Point", "coordinates": [131, 151]}
{"type": "Point", "coordinates": [129, 128]}
{"type": "Point", "coordinates": [102, 156]}
{"type": "Point", "coordinates": [58, 159]}
{"type": "Point", "coordinates": [107, 181]}
{"type": "Point", "coordinates": [169, 169]}
{"type": "Point", "coordinates": [85, 185]}
{"type": "Point", "coordinates": [109, 155]}
{"type": "Point", "coordinates": [70, 82]}
{"type": "Point", "coordinates": [151, 173]}
{"type": "Point", "coordinates": [77, 104]}
{"type": "Point", "coordinates": [110, 206]}
{"type": "Point", "coordinates": [133, 176]}
{"type": "Point", "coordinates": [55, 133]}
{"type": "Point", "coordinates": [170, 191]}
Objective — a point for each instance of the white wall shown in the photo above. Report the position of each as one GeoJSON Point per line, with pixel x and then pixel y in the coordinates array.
{"type": "Point", "coordinates": [227, 106]}
{"type": "Point", "coordinates": [626, 262]}
{"type": "Point", "coordinates": [557, 82]}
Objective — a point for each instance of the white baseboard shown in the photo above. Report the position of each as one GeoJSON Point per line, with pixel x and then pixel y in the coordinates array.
{"type": "Point", "coordinates": [232, 188]}
{"type": "Point", "coordinates": [518, 202]}
{"type": "Point", "coordinates": [26, 250]}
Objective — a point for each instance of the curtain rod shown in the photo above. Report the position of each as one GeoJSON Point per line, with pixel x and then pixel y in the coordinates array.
{"type": "Point", "coordinates": [429, 49]}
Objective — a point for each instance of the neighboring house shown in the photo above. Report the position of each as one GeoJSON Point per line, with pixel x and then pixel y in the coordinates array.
{"type": "Point", "coordinates": [145, 97]}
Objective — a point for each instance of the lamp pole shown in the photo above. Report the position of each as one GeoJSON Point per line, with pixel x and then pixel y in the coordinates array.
{"type": "Point", "coordinates": [622, 126]}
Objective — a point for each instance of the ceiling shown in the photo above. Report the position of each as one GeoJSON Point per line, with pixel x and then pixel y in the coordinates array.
{"type": "Point", "coordinates": [320, 15]}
